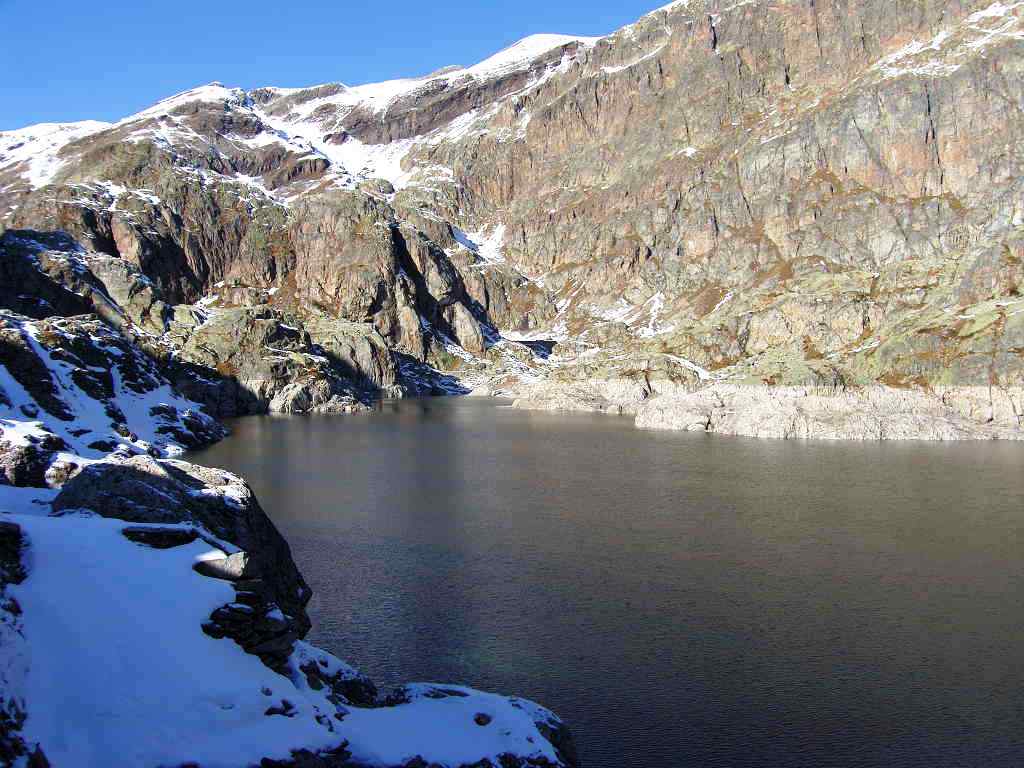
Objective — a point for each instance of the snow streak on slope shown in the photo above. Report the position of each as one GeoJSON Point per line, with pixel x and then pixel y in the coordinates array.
{"type": "Point", "coordinates": [37, 147]}
{"type": "Point", "coordinates": [143, 413]}
{"type": "Point", "coordinates": [33, 152]}
{"type": "Point", "coordinates": [379, 96]}
{"type": "Point", "coordinates": [212, 92]}
{"type": "Point", "coordinates": [522, 53]}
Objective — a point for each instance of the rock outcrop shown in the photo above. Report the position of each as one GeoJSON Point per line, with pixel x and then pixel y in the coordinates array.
{"type": "Point", "coordinates": [141, 489]}
{"type": "Point", "coordinates": [234, 353]}
{"type": "Point", "coordinates": [73, 387]}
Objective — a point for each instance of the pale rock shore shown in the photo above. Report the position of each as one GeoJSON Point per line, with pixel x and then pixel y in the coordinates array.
{"type": "Point", "coordinates": [615, 396]}
{"type": "Point", "coordinates": [794, 412]}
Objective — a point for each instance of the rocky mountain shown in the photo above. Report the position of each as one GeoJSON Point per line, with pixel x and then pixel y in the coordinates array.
{"type": "Point", "coordinates": [766, 193]}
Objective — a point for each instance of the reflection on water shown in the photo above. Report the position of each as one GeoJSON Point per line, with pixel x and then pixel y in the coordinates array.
{"type": "Point", "coordinates": [680, 599]}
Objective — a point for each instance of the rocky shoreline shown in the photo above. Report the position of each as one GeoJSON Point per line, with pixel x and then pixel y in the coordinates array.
{"type": "Point", "coordinates": [794, 412]}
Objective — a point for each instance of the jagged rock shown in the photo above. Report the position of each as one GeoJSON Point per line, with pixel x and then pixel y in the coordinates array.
{"type": "Point", "coordinates": [233, 567]}
{"type": "Point", "coordinates": [274, 365]}
{"type": "Point", "coordinates": [24, 465]}
{"type": "Point", "coordinates": [257, 624]}
{"type": "Point", "coordinates": [467, 329]}
{"type": "Point", "coordinates": [12, 569]}
{"type": "Point", "coordinates": [357, 349]}
{"type": "Point", "coordinates": [316, 396]}
{"type": "Point", "coordinates": [27, 290]}
{"type": "Point", "coordinates": [12, 710]}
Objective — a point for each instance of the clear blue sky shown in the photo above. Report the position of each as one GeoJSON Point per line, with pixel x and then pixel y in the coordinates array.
{"type": "Point", "coordinates": [64, 60]}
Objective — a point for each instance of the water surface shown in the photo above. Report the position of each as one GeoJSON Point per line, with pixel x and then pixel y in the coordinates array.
{"type": "Point", "coordinates": [680, 599]}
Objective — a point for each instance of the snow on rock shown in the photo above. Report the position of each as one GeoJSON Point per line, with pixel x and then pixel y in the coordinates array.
{"type": "Point", "coordinates": [74, 386]}
{"type": "Point", "coordinates": [485, 245]}
{"type": "Point", "coordinates": [353, 159]}
{"type": "Point", "coordinates": [521, 53]}
{"type": "Point", "coordinates": [119, 672]}
{"type": "Point", "coordinates": [451, 726]}
{"type": "Point", "coordinates": [35, 150]}
{"type": "Point", "coordinates": [212, 92]}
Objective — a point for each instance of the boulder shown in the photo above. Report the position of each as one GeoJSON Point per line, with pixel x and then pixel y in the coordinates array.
{"type": "Point", "coordinates": [142, 489]}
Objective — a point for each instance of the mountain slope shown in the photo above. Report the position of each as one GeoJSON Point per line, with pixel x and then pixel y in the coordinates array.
{"type": "Point", "coordinates": [766, 192]}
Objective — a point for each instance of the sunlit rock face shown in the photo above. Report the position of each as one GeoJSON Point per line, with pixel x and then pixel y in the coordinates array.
{"type": "Point", "coordinates": [777, 193]}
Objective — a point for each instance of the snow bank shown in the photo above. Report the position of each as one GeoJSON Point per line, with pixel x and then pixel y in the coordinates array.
{"type": "Point", "coordinates": [120, 672]}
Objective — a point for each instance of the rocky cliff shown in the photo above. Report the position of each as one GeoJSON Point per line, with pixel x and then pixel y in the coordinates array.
{"type": "Point", "coordinates": [772, 193]}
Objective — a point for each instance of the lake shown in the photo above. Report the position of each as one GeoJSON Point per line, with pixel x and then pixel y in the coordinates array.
{"type": "Point", "coordinates": [679, 599]}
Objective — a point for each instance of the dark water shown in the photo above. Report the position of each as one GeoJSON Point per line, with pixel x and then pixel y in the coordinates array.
{"type": "Point", "coordinates": [681, 600]}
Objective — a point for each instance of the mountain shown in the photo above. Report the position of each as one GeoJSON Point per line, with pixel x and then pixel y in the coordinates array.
{"type": "Point", "coordinates": [782, 194]}
{"type": "Point", "coordinates": [778, 219]}
{"type": "Point", "coordinates": [773, 193]}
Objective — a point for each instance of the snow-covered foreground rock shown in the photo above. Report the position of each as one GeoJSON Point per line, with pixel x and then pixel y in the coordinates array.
{"type": "Point", "coordinates": [151, 615]}
{"type": "Point", "coordinates": [105, 663]}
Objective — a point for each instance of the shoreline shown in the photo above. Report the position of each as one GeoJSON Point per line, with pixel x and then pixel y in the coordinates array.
{"type": "Point", "coordinates": [876, 412]}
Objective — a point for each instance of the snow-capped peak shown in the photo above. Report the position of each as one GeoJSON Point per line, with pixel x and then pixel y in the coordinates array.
{"type": "Point", "coordinates": [211, 92]}
{"type": "Point", "coordinates": [519, 55]}
{"type": "Point", "coordinates": [34, 151]}
{"type": "Point", "coordinates": [522, 53]}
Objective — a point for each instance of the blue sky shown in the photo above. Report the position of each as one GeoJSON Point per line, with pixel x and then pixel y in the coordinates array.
{"type": "Point", "coordinates": [64, 60]}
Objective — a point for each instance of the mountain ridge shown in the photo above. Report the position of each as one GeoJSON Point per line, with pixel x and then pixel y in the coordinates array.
{"type": "Point", "coordinates": [683, 195]}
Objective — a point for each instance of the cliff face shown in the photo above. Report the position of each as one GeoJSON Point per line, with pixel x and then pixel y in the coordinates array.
{"type": "Point", "coordinates": [801, 192]}
{"type": "Point", "coordinates": [783, 193]}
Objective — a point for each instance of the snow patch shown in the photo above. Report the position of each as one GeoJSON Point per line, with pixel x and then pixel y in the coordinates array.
{"type": "Point", "coordinates": [487, 247]}
{"type": "Point", "coordinates": [113, 631]}
{"type": "Point", "coordinates": [38, 146]}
